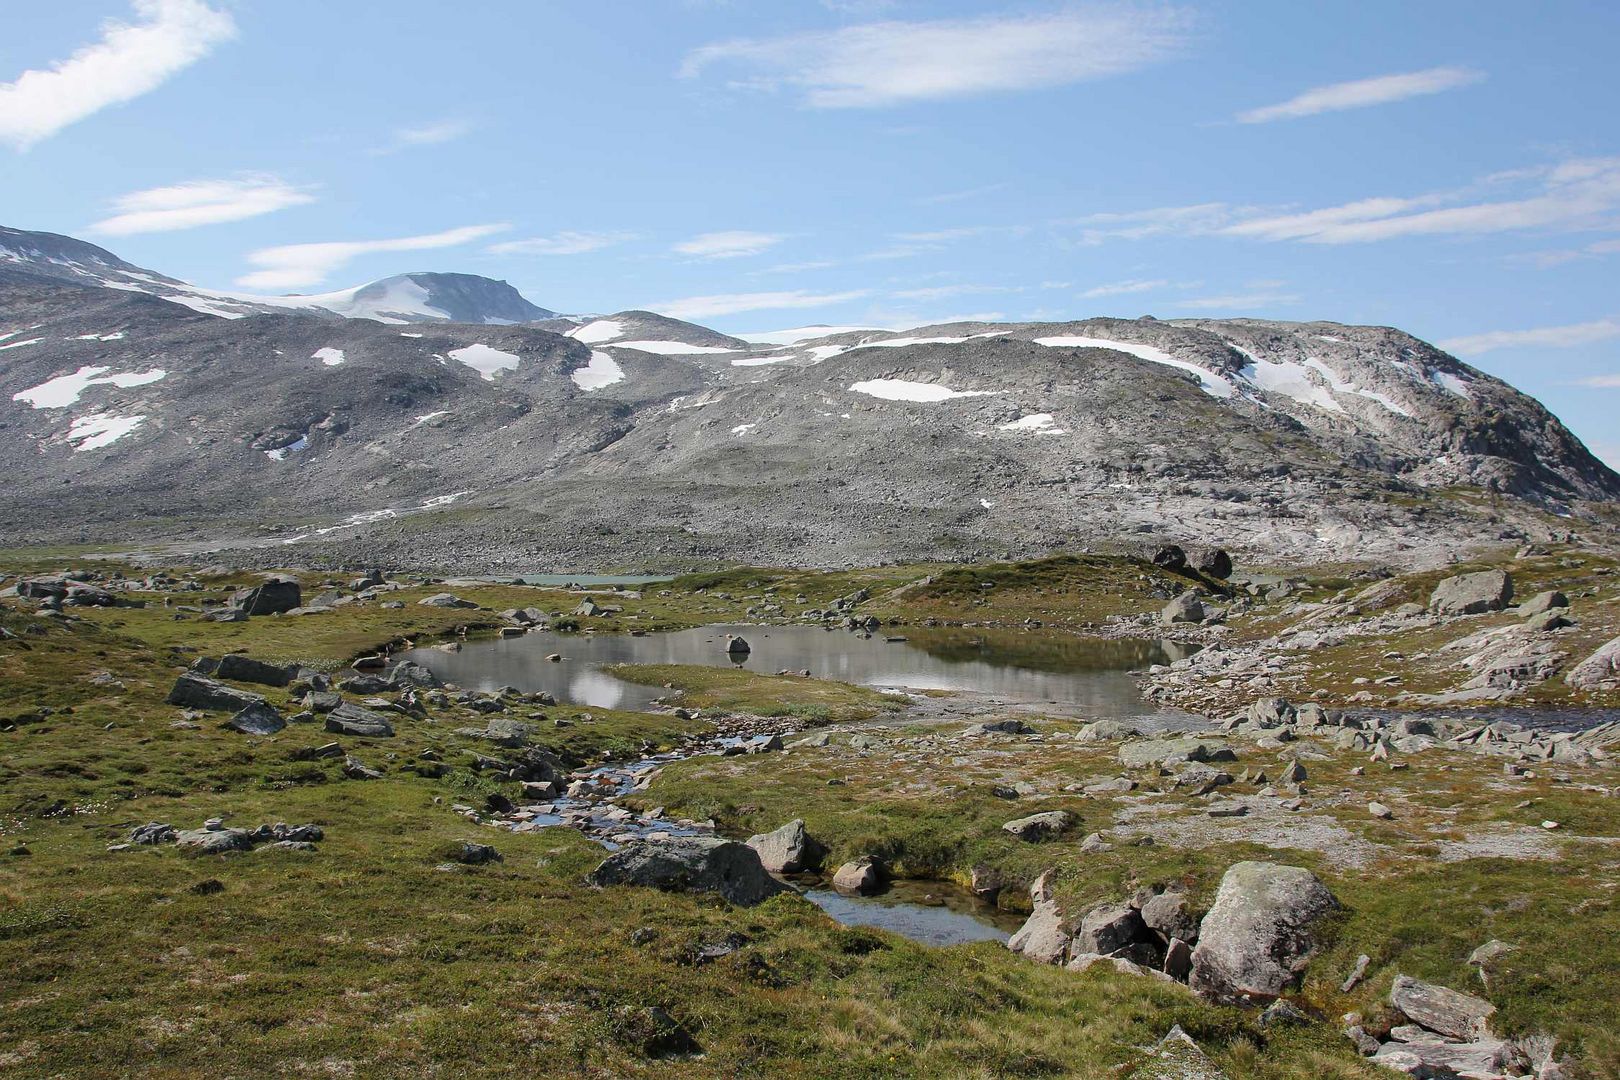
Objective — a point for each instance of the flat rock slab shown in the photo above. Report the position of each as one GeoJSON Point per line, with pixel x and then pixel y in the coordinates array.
{"type": "Point", "coordinates": [351, 719]}
{"type": "Point", "coordinates": [193, 691]}
{"type": "Point", "coordinates": [257, 719]}
{"type": "Point", "coordinates": [1037, 827]}
{"type": "Point", "coordinates": [1441, 1009]}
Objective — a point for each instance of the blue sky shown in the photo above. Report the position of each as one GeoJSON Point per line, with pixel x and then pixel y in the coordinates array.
{"type": "Point", "coordinates": [1451, 168]}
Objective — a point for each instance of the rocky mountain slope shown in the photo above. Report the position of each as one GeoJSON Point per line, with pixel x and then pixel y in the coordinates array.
{"type": "Point", "coordinates": [126, 413]}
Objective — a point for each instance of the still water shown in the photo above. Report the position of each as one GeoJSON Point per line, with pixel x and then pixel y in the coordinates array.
{"type": "Point", "coordinates": [932, 912]}
{"type": "Point", "coordinates": [1089, 674]}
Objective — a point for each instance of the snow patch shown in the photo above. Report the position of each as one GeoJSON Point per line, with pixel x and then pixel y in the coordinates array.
{"type": "Point", "coordinates": [428, 418]}
{"type": "Point", "coordinates": [1290, 380]}
{"type": "Point", "coordinates": [1039, 423]}
{"type": "Point", "coordinates": [20, 344]}
{"type": "Point", "coordinates": [905, 390]}
{"type": "Point", "coordinates": [485, 360]}
{"type": "Point", "coordinates": [100, 430]}
{"type": "Point", "coordinates": [1328, 337]}
{"type": "Point", "coordinates": [602, 371]}
{"type": "Point", "coordinates": [1210, 383]}
{"type": "Point", "coordinates": [329, 357]}
{"type": "Point", "coordinates": [594, 333]}
{"type": "Point", "coordinates": [670, 348]}
{"type": "Point", "coordinates": [987, 504]}
{"type": "Point", "coordinates": [1351, 388]}
{"type": "Point", "coordinates": [806, 333]}
{"type": "Point", "coordinates": [280, 453]}
{"type": "Point", "coordinates": [743, 429]}
{"type": "Point", "coordinates": [64, 390]}
{"type": "Point", "coordinates": [404, 334]}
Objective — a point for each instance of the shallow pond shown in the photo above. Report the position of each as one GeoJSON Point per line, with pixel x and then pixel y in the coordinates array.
{"type": "Point", "coordinates": [932, 912]}
{"type": "Point", "coordinates": [1089, 674]}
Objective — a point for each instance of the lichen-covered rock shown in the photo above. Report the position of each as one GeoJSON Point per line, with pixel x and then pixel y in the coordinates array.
{"type": "Point", "coordinates": [863, 876]}
{"type": "Point", "coordinates": [1037, 827]}
{"type": "Point", "coordinates": [1472, 594]}
{"type": "Point", "coordinates": [1600, 671]}
{"type": "Point", "coordinates": [1440, 1009]}
{"type": "Point", "coordinates": [1257, 936]}
{"type": "Point", "coordinates": [788, 850]}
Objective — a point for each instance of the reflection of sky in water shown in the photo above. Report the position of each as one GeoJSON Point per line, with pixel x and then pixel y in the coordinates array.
{"type": "Point", "coordinates": [1034, 667]}
{"type": "Point", "coordinates": [596, 689]}
{"type": "Point", "coordinates": [931, 924]}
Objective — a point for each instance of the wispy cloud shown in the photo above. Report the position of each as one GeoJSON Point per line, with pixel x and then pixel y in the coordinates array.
{"type": "Point", "coordinates": [432, 133]}
{"type": "Point", "coordinates": [894, 63]}
{"type": "Point", "coordinates": [1123, 288]}
{"type": "Point", "coordinates": [563, 243]}
{"type": "Point", "coordinates": [128, 61]}
{"type": "Point", "coordinates": [728, 245]}
{"type": "Point", "coordinates": [1364, 92]}
{"type": "Point", "coordinates": [942, 292]}
{"type": "Point", "coordinates": [296, 265]}
{"type": "Point", "coordinates": [199, 202]}
{"type": "Point", "coordinates": [706, 307]}
{"type": "Point", "coordinates": [1544, 337]}
{"type": "Point", "coordinates": [1601, 382]}
{"type": "Point", "coordinates": [1582, 193]}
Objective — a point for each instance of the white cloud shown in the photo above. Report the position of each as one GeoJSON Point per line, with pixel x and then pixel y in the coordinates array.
{"type": "Point", "coordinates": [563, 243]}
{"type": "Point", "coordinates": [1123, 288]}
{"type": "Point", "coordinates": [941, 292]}
{"type": "Point", "coordinates": [1601, 382]}
{"type": "Point", "coordinates": [729, 245]}
{"type": "Point", "coordinates": [431, 133]}
{"type": "Point", "coordinates": [893, 63]}
{"type": "Point", "coordinates": [1545, 337]}
{"type": "Point", "coordinates": [703, 307]}
{"type": "Point", "coordinates": [1364, 92]}
{"type": "Point", "coordinates": [128, 61]}
{"type": "Point", "coordinates": [297, 265]}
{"type": "Point", "coordinates": [199, 202]}
{"type": "Point", "coordinates": [1577, 194]}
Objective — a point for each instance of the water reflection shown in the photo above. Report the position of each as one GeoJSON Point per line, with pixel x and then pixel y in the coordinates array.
{"type": "Point", "coordinates": [1026, 666]}
{"type": "Point", "coordinates": [932, 912]}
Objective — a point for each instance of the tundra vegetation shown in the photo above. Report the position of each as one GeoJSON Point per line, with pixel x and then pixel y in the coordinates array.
{"type": "Point", "coordinates": [180, 896]}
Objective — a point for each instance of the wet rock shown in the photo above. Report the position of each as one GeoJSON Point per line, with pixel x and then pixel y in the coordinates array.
{"type": "Point", "coordinates": [863, 876]}
{"type": "Point", "coordinates": [1038, 827]}
{"type": "Point", "coordinates": [257, 719]}
{"type": "Point", "coordinates": [1472, 594]}
{"type": "Point", "coordinates": [1255, 940]}
{"type": "Point", "coordinates": [1442, 1010]}
{"type": "Point", "coordinates": [691, 864]}
{"type": "Point", "coordinates": [788, 850]}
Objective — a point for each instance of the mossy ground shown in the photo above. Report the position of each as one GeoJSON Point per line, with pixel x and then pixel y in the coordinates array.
{"type": "Point", "coordinates": [366, 958]}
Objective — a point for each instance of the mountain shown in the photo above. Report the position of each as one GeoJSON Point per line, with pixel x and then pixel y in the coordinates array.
{"type": "Point", "coordinates": [633, 440]}
{"type": "Point", "coordinates": [403, 298]}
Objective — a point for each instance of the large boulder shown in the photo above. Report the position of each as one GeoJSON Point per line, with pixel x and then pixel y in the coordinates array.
{"type": "Point", "coordinates": [1472, 594]}
{"type": "Point", "coordinates": [1543, 602]}
{"type": "Point", "coordinates": [193, 691]}
{"type": "Point", "coordinates": [270, 597]}
{"type": "Point", "coordinates": [788, 850]}
{"type": "Point", "coordinates": [206, 841]}
{"type": "Point", "coordinates": [1168, 916]}
{"type": "Point", "coordinates": [1186, 608]}
{"type": "Point", "coordinates": [1254, 942]}
{"type": "Point", "coordinates": [1215, 563]}
{"type": "Point", "coordinates": [1600, 671]}
{"type": "Point", "coordinates": [691, 864]}
{"type": "Point", "coordinates": [1046, 934]}
{"type": "Point", "coordinates": [1170, 557]}
{"type": "Point", "coordinates": [410, 673]}
{"type": "Point", "coordinates": [246, 669]}
{"type": "Point", "coordinates": [1108, 928]}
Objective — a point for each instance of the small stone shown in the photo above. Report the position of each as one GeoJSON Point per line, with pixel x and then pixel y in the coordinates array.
{"type": "Point", "coordinates": [1379, 810]}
